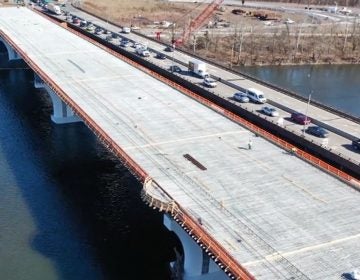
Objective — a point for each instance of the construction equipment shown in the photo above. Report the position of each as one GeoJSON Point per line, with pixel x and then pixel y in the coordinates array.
{"type": "Point", "coordinates": [197, 22]}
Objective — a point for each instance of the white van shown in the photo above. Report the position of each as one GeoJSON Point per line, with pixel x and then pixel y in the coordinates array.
{"type": "Point", "coordinates": [256, 95]}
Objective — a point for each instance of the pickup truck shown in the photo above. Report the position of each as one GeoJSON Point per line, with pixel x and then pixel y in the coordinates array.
{"type": "Point", "coordinates": [356, 144]}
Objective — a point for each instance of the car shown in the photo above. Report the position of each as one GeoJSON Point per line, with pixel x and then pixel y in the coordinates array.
{"type": "Point", "coordinates": [289, 21]}
{"type": "Point", "coordinates": [83, 23]}
{"type": "Point", "coordinates": [270, 111]}
{"type": "Point", "coordinates": [107, 32]}
{"type": "Point", "coordinates": [241, 97]}
{"type": "Point", "coordinates": [124, 43]}
{"type": "Point", "coordinates": [90, 28]}
{"type": "Point", "coordinates": [256, 96]}
{"type": "Point", "coordinates": [209, 82]}
{"type": "Point", "coordinates": [300, 118]}
{"type": "Point", "coordinates": [114, 35]}
{"type": "Point", "coordinates": [160, 56]}
{"type": "Point", "coordinates": [126, 30]}
{"type": "Point", "coordinates": [356, 144]}
{"type": "Point", "coordinates": [175, 68]}
{"type": "Point", "coordinates": [109, 38]}
{"type": "Point", "coordinates": [169, 49]}
{"type": "Point", "coordinates": [76, 21]}
{"type": "Point", "coordinates": [317, 131]}
{"type": "Point", "coordinates": [98, 31]}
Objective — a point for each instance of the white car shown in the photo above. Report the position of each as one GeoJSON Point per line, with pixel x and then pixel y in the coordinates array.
{"type": "Point", "coordinates": [209, 82]}
{"type": "Point", "coordinates": [126, 30]}
{"type": "Point", "coordinates": [289, 21]}
{"type": "Point", "coordinates": [270, 111]}
{"type": "Point", "coordinates": [241, 97]}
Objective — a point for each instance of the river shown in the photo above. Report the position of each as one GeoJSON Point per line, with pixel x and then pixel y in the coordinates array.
{"type": "Point", "coordinates": [333, 85]}
{"type": "Point", "coordinates": [69, 210]}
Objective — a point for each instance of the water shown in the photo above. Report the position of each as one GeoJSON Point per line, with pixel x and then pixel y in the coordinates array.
{"type": "Point", "coordinates": [68, 209]}
{"type": "Point", "coordinates": [334, 85]}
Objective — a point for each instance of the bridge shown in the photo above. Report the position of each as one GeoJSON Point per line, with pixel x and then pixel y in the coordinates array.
{"type": "Point", "coordinates": [244, 204]}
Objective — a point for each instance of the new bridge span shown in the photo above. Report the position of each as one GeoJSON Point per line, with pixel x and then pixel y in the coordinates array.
{"type": "Point", "coordinates": [229, 190]}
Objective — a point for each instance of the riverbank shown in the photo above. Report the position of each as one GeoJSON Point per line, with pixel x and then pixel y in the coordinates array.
{"type": "Point", "coordinates": [247, 40]}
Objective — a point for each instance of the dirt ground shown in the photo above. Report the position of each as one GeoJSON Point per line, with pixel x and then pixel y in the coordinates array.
{"type": "Point", "coordinates": [247, 40]}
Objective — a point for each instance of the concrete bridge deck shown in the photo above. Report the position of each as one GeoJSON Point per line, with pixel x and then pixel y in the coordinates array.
{"type": "Point", "coordinates": [278, 216]}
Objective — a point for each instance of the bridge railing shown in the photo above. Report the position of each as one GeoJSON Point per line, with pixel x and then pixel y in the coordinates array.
{"type": "Point", "coordinates": [151, 194]}
{"type": "Point", "coordinates": [184, 218]}
{"type": "Point", "coordinates": [134, 168]}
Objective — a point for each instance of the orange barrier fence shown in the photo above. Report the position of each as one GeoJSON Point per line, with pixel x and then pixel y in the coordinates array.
{"type": "Point", "coordinates": [103, 136]}
{"type": "Point", "coordinates": [231, 266]}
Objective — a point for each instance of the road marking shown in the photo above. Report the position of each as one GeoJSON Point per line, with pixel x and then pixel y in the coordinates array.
{"type": "Point", "coordinates": [303, 189]}
{"type": "Point", "coordinates": [305, 249]}
{"type": "Point", "coordinates": [153, 144]}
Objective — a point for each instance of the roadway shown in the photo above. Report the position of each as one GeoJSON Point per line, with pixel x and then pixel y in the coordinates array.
{"type": "Point", "coordinates": [277, 215]}
{"type": "Point", "coordinates": [338, 142]}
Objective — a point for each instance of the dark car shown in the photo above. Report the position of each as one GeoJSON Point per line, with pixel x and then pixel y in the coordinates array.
{"type": "Point", "coordinates": [160, 56]}
{"type": "Point", "coordinates": [83, 23]}
{"type": "Point", "coordinates": [169, 49]}
{"type": "Point", "coordinates": [114, 35]}
{"type": "Point", "coordinates": [356, 144]}
{"type": "Point", "coordinates": [175, 68]}
{"type": "Point", "coordinates": [317, 131]}
{"type": "Point", "coordinates": [300, 118]}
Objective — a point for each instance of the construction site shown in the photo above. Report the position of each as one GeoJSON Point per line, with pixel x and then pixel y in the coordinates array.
{"type": "Point", "coordinates": [259, 34]}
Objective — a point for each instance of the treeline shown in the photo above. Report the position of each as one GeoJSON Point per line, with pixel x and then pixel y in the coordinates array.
{"type": "Point", "coordinates": [318, 45]}
{"type": "Point", "coordinates": [350, 3]}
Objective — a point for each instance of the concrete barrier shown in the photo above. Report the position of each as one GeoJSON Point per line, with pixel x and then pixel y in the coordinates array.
{"type": "Point", "coordinates": [337, 160]}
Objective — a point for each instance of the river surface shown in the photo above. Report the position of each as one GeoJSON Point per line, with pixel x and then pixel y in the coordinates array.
{"type": "Point", "coordinates": [336, 86]}
{"type": "Point", "coordinates": [69, 210]}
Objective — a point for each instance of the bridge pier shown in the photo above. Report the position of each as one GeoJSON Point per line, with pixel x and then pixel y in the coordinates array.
{"type": "Point", "coordinates": [62, 113]}
{"type": "Point", "coordinates": [12, 54]}
{"type": "Point", "coordinates": [197, 265]}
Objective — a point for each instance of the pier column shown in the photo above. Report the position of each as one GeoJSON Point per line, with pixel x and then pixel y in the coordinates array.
{"type": "Point", "coordinates": [197, 265]}
{"type": "Point", "coordinates": [62, 113]}
{"type": "Point", "coordinates": [12, 54]}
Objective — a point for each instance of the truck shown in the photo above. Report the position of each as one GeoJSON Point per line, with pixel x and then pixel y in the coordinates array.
{"type": "Point", "coordinates": [356, 144]}
{"type": "Point", "coordinates": [198, 68]}
{"type": "Point", "coordinates": [51, 7]}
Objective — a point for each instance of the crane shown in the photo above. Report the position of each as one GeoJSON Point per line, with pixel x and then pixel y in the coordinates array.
{"type": "Point", "coordinates": [196, 23]}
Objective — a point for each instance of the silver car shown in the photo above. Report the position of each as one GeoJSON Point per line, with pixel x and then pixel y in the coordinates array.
{"type": "Point", "coordinates": [241, 97]}
{"type": "Point", "coordinates": [270, 111]}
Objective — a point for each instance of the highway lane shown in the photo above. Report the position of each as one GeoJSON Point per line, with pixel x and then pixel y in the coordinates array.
{"type": "Point", "coordinates": [233, 82]}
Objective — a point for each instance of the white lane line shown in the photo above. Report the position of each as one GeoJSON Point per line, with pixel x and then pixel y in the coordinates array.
{"type": "Point", "coordinates": [305, 249]}
{"type": "Point", "coordinates": [153, 144]}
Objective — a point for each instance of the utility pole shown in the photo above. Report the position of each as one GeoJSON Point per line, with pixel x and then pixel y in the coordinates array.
{"type": "Point", "coordinates": [307, 104]}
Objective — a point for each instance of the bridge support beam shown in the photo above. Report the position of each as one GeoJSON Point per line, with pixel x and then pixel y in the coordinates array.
{"type": "Point", "coordinates": [197, 265]}
{"type": "Point", "coordinates": [12, 54]}
{"type": "Point", "coordinates": [62, 113]}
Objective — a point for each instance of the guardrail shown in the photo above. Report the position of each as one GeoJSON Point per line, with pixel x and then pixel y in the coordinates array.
{"type": "Point", "coordinates": [133, 167]}
{"type": "Point", "coordinates": [196, 231]}
{"type": "Point", "coordinates": [248, 76]}
{"type": "Point", "coordinates": [229, 264]}
{"type": "Point", "coordinates": [216, 101]}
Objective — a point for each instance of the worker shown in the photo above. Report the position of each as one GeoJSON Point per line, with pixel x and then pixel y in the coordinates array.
{"type": "Point", "coordinates": [243, 2]}
{"type": "Point", "coordinates": [250, 144]}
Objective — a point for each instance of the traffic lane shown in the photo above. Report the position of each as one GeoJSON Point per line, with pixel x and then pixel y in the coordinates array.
{"type": "Point", "coordinates": [217, 72]}
{"type": "Point", "coordinates": [340, 143]}
{"type": "Point", "coordinates": [334, 141]}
